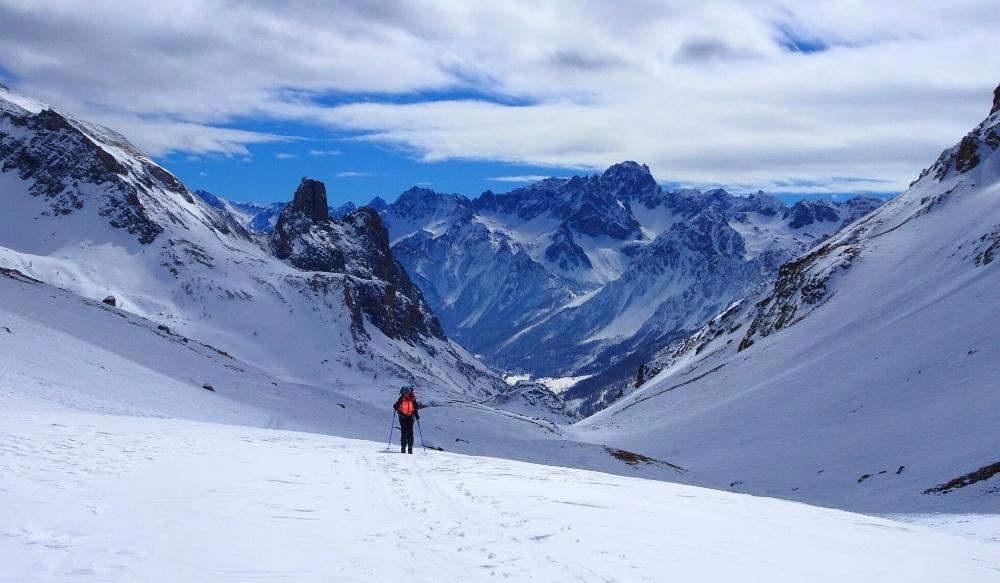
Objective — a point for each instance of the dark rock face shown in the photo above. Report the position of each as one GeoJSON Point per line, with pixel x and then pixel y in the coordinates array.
{"type": "Point", "coordinates": [763, 204]}
{"type": "Point", "coordinates": [310, 200]}
{"type": "Point", "coordinates": [592, 205]}
{"type": "Point", "coordinates": [600, 213]}
{"type": "Point", "coordinates": [975, 146]}
{"type": "Point", "coordinates": [111, 301]}
{"type": "Point", "coordinates": [807, 212]}
{"type": "Point", "coordinates": [860, 206]}
{"type": "Point", "coordinates": [799, 283]}
{"type": "Point", "coordinates": [564, 251]}
{"type": "Point", "coordinates": [58, 156]}
{"type": "Point", "coordinates": [307, 217]}
{"type": "Point", "coordinates": [967, 156]}
{"type": "Point", "coordinates": [393, 304]}
{"type": "Point", "coordinates": [987, 247]}
{"type": "Point", "coordinates": [630, 181]}
{"type": "Point", "coordinates": [357, 246]}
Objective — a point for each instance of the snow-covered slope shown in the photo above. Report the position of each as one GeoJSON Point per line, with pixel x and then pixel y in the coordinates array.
{"type": "Point", "coordinates": [59, 351]}
{"type": "Point", "coordinates": [84, 210]}
{"type": "Point", "coordinates": [105, 498]}
{"type": "Point", "coordinates": [866, 376]}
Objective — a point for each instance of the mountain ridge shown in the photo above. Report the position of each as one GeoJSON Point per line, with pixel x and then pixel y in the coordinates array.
{"type": "Point", "coordinates": [90, 213]}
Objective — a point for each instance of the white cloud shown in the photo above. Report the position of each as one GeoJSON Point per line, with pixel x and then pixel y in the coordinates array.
{"type": "Point", "coordinates": [355, 174]}
{"type": "Point", "coordinates": [284, 156]}
{"type": "Point", "coordinates": [704, 92]}
{"type": "Point", "coordinates": [530, 178]}
{"type": "Point", "coordinates": [323, 153]}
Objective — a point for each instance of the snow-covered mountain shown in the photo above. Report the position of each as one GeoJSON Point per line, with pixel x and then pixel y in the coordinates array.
{"type": "Point", "coordinates": [580, 276]}
{"type": "Point", "coordinates": [319, 300]}
{"type": "Point", "coordinates": [313, 326]}
{"type": "Point", "coordinates": [867, 375]}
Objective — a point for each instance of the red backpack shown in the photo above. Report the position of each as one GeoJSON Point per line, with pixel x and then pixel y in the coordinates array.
{"type": "Point", "coordinates": [408, 405]}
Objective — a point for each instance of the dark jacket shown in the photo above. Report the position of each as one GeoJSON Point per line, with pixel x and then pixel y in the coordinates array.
{"type": "Point", "coordinates": [416, 407]}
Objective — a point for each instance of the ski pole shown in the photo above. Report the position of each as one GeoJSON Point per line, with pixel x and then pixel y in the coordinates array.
{"type": "Point", "coordinates": [420, 429]}
{"type": "Point", "coordinates": [392, 426]}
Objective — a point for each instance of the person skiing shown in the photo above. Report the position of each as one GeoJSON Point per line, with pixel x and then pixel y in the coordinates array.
{"type": "Point", "coordinates": [409, 410]}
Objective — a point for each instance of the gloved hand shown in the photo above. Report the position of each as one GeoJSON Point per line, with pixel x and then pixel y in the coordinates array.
{"type": "Point", "coordinates": [417, 416]}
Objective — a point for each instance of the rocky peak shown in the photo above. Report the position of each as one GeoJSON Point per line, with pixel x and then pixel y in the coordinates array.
{"type": "Point", "coordinates": [310, 200]}
{"type": "Point", "coordinates": [303, 230]}
{"type": "Point", "coordinates": [565, 252]}
{"type": "Point", "coordinates": [628, 179]}
{"type": "Point", "coordinates": [343, 210]}
{"type": "Point", "coordinates": [423, 202]}
{"type": "Point", "coordinates": [976, 146]}
{"type": "Point", "coordinates": [356, 245]}
{"type": "Point", "coordinates": [807, 212]}
{"type": "Point", "coordinates": [378, 203]}
{"type": "Point", "coordinates": [764, 204]}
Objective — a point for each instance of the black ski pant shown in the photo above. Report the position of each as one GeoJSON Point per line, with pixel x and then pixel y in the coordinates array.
{"type": "Point", "coordinates": [406, 431]}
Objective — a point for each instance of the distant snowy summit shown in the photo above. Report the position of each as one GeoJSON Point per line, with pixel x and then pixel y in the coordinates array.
{"type": "Point", "coordinates": [584, 275]}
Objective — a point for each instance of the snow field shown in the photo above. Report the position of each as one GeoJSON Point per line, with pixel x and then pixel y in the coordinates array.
{"type": "Point", "coordinates": [107, 498]}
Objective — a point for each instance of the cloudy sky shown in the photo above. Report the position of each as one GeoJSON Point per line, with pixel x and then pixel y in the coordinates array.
{"type": "Point", "coordinates": [244, 97]}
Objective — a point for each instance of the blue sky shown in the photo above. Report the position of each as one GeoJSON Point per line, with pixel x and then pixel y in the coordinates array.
{"type": "Point", "coordinates": [243, 98]}
{"type": "Point", "coordinates": [357, 170]}
{"type": "Point", "coordinates": [353, 170]}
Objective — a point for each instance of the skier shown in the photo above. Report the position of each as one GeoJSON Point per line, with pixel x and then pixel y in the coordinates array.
{"type": "Point", "coordinates": [409, 410]}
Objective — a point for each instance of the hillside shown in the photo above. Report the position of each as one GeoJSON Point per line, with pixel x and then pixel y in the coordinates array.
{"type": "Point", "coordinates": [87, 212]}
{"type": "Point", "coordinates": [865, 376]}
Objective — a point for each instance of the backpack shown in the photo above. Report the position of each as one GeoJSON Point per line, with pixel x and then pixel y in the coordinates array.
{"type": "Point", "coordinates": [408, 405]}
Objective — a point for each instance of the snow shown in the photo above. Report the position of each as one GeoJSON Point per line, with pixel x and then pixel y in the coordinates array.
{"type": "Point", "coordinates": [115, 465]}
{"type": "Point", "coordinates": [556, 385]}
{"type": "Point", "coordinates": [563, 384]}
{"type": "Point", "coordinates": [984, 527]}
{"type": "Point", "coordinates": [26, 103]}
{"type": "Point", "coordinates": [105, 498]}
{"type": "Point", "coordinates": [60, 352]}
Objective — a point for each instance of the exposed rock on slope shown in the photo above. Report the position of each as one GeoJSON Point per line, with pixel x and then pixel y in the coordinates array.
{"type": "Point", "coordinates": [357, 245]}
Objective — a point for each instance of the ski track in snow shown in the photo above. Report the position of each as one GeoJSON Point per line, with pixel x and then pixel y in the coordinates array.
{"type": "Point", "coordinates": [108, 498]}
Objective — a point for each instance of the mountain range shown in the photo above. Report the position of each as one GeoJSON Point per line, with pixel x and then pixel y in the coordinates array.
{"type": "Point", "coordinates": [588, 276]}
{"type": "Point", "coordinates": [843, 354]}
